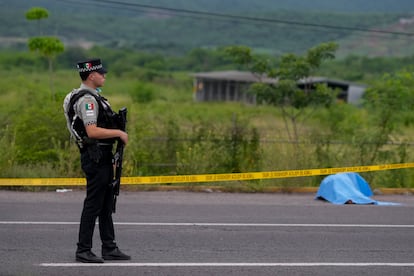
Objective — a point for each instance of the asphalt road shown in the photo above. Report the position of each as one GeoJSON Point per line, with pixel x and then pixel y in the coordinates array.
{"type": "Point", "coordinates": [180, 233]}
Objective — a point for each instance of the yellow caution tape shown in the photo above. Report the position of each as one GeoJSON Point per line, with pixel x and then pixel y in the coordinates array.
{"type": "Point", "coordinates": [194, 178]}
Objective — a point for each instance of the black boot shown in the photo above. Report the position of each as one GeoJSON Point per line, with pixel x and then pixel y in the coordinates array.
{"type": "Point", "coordinates": [88, 257]}
{"type": "Point", "coordinates": [115, 254]}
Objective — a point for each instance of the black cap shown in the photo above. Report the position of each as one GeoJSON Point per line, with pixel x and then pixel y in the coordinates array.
{"type": "Point", "coordinates": [93, 65]}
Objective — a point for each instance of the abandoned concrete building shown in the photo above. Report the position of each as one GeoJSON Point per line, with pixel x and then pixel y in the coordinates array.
{"type": "Point", "coordinates": [233, 86]}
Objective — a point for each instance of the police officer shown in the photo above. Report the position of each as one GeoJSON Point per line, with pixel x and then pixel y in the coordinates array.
{"type": "Point", "coordinates": [95, 133]}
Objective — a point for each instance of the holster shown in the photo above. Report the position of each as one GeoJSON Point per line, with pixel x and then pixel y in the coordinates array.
{"type": "Point", "coordinates": [95, 153]}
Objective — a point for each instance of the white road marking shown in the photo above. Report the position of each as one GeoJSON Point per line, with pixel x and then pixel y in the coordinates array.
{"type": "Point", "coordinates": [218, 224]}
{"type": "Point", "coordinates": [315, 264]}
{"type": "Point", "coordinates": [227, 264]}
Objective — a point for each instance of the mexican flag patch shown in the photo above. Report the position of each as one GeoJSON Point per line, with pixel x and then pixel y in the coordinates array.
{"type": "Point", "coordinates": [89, 106]}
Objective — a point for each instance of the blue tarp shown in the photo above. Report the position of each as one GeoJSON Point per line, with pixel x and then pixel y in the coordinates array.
{"type": "Point", "coordinates": [347, 188]}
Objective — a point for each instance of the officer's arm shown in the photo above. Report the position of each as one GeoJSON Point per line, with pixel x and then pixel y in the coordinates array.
{"type": "Point", "coordinates": [87, 107]}
{"type": "Point", "coordinates": [95, 132]}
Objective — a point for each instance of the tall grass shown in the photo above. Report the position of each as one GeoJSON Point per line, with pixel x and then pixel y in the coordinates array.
{"type": "Point", "coordinates": [171, 134]}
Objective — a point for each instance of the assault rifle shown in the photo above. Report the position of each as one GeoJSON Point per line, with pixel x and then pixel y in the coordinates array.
{"type": "Point", "coordinates": [118, 156]}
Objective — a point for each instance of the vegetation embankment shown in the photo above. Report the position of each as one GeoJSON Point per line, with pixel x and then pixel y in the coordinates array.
{"type": "Point", "coordinates": [170, 134]}
{"type": "Point", "coordinates": [292, 26]}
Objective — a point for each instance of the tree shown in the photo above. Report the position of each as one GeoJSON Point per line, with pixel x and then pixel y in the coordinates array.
{"type": "Point", "coordinates": [292, 93]}
{"type": "Point", "coordinates": [47, 46]}
{"type": "Point", "coordinates": [37, 13]}
{"type": "Point", "coordinates": [386, 100]}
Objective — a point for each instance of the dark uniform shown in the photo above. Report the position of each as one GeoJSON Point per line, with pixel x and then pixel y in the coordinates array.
{"type": "Point", "coordinates": [89, 108]}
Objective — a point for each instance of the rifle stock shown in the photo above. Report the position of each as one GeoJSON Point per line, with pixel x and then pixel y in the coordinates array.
{"type": "Point", "coordinates": [118, 156]}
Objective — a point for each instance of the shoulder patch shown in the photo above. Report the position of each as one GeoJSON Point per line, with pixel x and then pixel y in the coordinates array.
{"type": "Point", "coordinates": [89, 108]}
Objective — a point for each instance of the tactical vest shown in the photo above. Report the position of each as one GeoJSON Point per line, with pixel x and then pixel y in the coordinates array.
{"type": "Point", "coordinates": [107, 118]}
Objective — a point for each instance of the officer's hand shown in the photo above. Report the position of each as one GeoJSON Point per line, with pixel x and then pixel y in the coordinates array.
{"type": "Point", "coordinates": [124, 137]}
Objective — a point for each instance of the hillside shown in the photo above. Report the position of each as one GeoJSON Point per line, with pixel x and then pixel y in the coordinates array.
{"type": "Point", "coordinates": [381, 45]}
{"type": "Point", "coordinates": [234, 6]}
{"type": "Point", "coordinates": [266, 25]}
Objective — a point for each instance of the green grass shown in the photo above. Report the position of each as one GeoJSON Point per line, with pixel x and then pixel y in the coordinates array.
{"type": "Point", "coordinates": [172, 107]}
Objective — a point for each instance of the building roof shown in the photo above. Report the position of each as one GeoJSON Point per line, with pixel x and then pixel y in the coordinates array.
{"type": "Point", "coordinates": [243, 76]}
{"type": "Point", "coordinates": [234, 76]}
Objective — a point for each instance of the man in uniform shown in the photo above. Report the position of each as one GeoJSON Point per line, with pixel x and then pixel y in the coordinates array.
{"type": "Point", "coordinates": [91, 121]}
